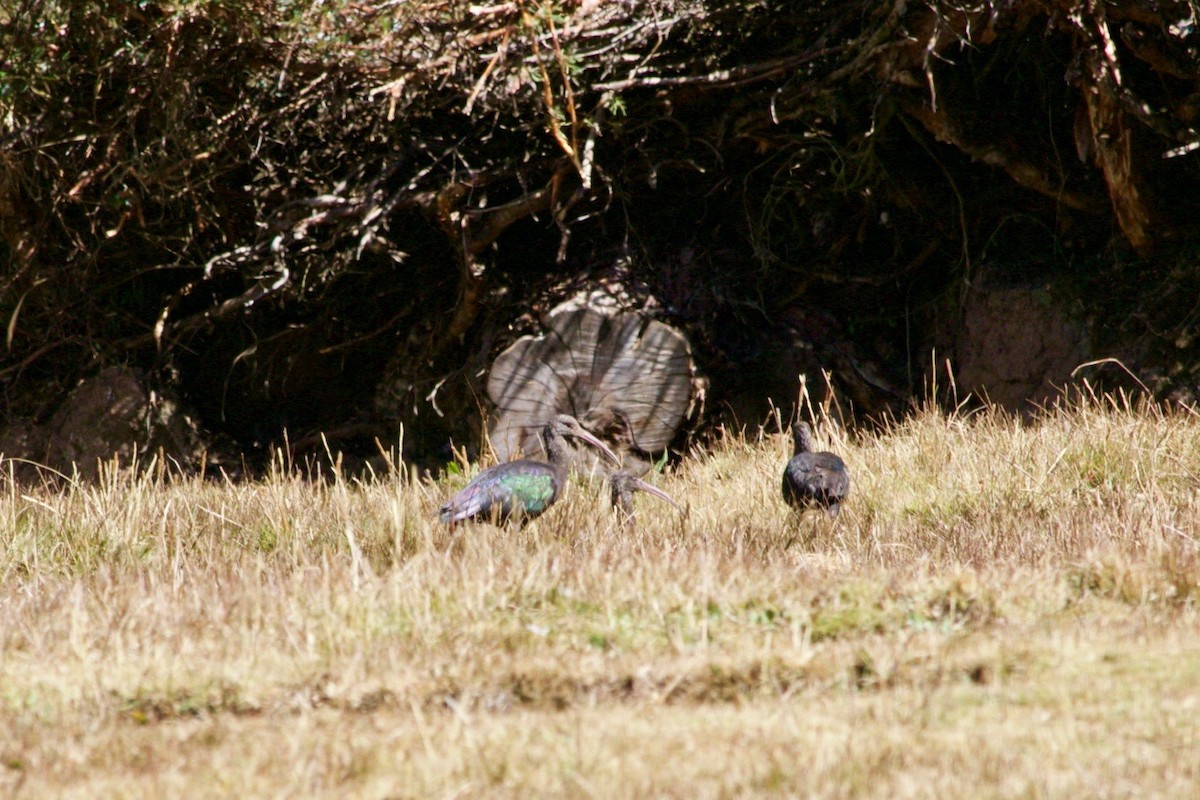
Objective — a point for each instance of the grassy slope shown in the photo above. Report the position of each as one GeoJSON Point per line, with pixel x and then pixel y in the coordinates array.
{"type": "Point", "coordinates": [1003, 610]}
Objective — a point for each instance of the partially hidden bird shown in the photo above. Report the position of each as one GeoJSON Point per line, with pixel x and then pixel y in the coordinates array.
{"type": "Point", "coordinates": [814, 480]}
{"type": "Point", "coordinates": [521, 490]}
{"type": "Point", "coordinates": [623, 484]}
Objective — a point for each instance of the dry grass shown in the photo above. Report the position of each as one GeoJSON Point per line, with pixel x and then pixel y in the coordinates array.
{"type": "Point", "coordinates": [1002, 610]}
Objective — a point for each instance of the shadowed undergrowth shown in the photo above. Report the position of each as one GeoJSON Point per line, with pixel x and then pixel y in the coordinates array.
{"type": "Point", "coordinates": [998, 604]}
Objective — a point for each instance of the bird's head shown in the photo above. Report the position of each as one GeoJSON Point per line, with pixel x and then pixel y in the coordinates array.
{"type": "Point", "coordinates": [624, 484]}
{"type": "Point", "coordinates": [564, 425]}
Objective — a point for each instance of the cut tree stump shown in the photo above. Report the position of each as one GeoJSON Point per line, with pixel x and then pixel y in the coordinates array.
{"type": "Point", "coordinates": [626, 377]}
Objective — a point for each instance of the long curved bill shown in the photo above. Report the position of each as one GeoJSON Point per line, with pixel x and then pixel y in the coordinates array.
{"type": "Point", "coordinates": [599, 445]}
{"type": "Point", "coordinates": [641, 485]}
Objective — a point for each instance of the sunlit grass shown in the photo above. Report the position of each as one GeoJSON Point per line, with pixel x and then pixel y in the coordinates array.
{"type": "Point", "coordinates": [1002, 608]}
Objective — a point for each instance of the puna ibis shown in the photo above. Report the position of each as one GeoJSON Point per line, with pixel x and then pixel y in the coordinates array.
{"type": "Point", "coordinates": [525, 488]}
{"type": "Point", "coordinates": [814, 480]}
{"type": "Point", "coordinates": [623, 484]}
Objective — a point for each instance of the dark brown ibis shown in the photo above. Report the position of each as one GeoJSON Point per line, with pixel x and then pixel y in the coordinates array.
{"type": "Point", "coordinates": [523, 489]}
{"type": "Point", "coordinates": [814, 480]}
{"type": "Point", "coordinates": [623, 484]}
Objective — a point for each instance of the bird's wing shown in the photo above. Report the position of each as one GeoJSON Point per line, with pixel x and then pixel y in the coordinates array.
{"type": "Point", "coordinates": [800, 468]}
{"type": "Point", "coordinates": [525, 485]}
{"type": "Point", "coordinates": [838, 483]}
{"type": "Point", "coordinates": [530, 490]}
{"type": "Point", "coordinates": [472, 499]}
{"type": "Point", "coordinates": [834, 479]}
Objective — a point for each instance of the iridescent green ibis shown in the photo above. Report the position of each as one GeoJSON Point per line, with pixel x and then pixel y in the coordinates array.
{"type": "Point", "coordinates": [521, 490]}
{"type": "Point", "coordinates": [623, 484]}
{"type": "Point", "coordinates": [814, 480]}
